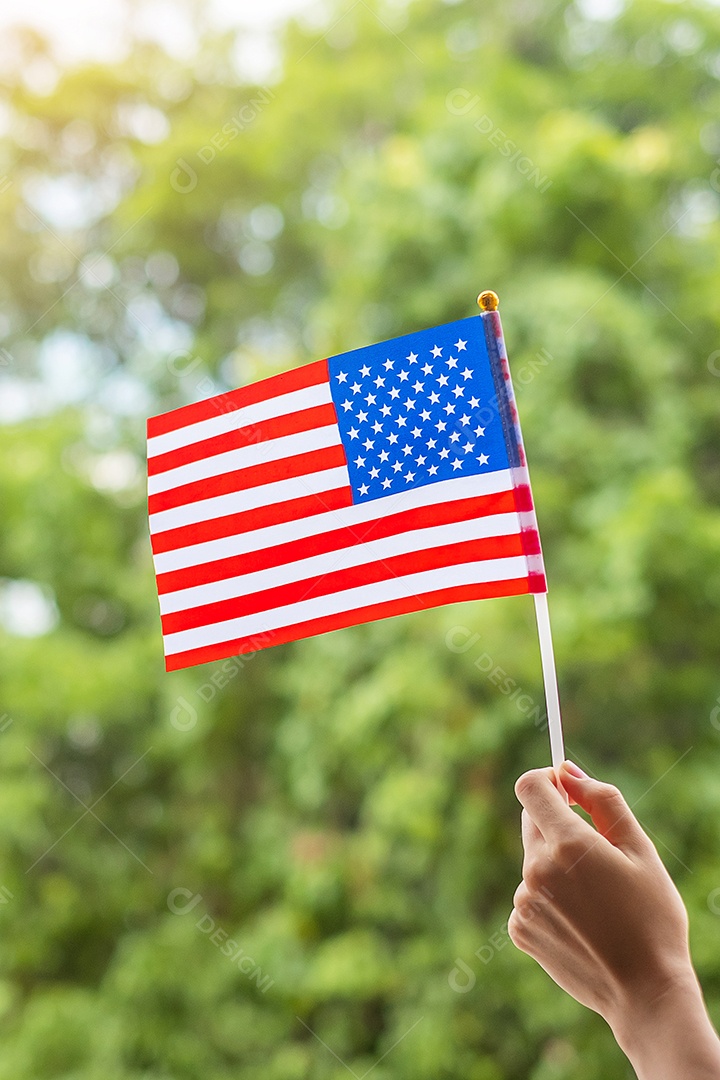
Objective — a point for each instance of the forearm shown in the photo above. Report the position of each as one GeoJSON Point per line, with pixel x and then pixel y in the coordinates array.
{"type": "Point", "coordinates": [674, 1038]}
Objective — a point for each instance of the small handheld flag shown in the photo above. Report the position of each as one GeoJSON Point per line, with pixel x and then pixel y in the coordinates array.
{"type": "Point", "coordinates": [382, 481]}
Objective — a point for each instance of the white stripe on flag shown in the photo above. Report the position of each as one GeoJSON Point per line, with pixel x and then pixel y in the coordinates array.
{"type": "Point", "coordinates": [462, 487]}
{"type": "Point", "coordinates": [392, 589]}
{"type": "Point", "coordinates": [295, 401]}
{"type": "Point", "coordinates": [341, 559]}
{"type": "Point", "coordinates": [296, 487]}
{"type": "Point", "coordinates": [258, 453]}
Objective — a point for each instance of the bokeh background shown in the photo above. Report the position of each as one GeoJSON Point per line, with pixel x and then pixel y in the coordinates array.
{"type": "Point", "coordinates": [300, 864]}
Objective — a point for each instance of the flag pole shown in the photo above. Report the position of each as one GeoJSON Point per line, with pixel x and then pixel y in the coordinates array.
{"type": "Point", "coordinates": [489, 303]}
{"type": "Point", "coordinates": [552, 697]}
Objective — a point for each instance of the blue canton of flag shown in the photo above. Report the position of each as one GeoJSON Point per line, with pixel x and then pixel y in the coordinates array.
{"type": "Point", "coordinates": [418, 409]}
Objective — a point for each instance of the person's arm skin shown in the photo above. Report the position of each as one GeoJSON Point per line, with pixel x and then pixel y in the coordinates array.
{"type": "Point", "coordinates": [599, 912]}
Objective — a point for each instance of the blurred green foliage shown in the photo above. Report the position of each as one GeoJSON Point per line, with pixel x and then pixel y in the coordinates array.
{"type": "Point", "coordinates": [301, 864]}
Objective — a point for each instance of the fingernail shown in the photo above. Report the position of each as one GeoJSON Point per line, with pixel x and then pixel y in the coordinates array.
{"type": "Point", "coordinates": [574, 769]}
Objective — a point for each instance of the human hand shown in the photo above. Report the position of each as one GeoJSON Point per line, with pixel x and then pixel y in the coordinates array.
{"type": "Point", "coordinates": [599, 912]}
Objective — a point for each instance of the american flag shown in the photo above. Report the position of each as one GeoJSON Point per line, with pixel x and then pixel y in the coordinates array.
{"type": "Point", "coordinates": [375, 483]}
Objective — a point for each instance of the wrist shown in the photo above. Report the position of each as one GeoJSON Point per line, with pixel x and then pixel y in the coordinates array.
{"type": "Point", "coordinates": [668, 1033]}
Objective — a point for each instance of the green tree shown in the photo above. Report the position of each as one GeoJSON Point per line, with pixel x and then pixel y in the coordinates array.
{"type": "Point", "coordinates": [342, 808]}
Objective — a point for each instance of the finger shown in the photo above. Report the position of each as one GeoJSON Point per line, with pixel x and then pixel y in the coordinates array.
{"type": "Point", "coordinates": [521, 894]}
{"type": "Point", "coordinates": [559, 785]}
{"type": "Point", "coordinates": [607, 807]}
{"type": "Point", "coordinates": [546, 807]}
{"type": "Point", "coordinates": [535, 915]}
{"type": "Point", "coordinates": [531, 906]}
{"type": "Point", "coordinates": [532, 838]}
{"type": "Point", "coordinates": [559, 951]}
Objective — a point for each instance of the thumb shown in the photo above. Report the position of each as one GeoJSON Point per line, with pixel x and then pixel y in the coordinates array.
{"type": "Point", "coordinates": [611, 815]}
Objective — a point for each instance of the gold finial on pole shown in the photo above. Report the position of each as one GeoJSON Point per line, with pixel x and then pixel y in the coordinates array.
{"type": "Point", "coordinates": [488, 301]}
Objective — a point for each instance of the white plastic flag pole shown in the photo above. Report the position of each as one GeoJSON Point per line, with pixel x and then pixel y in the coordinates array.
{"type": "Point", "coordinates": [552, 698]}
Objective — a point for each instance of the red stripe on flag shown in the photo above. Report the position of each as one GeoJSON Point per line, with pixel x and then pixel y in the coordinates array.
{"type": "Point", "coordinates": [530, 535]}
{"type": "Point", "coordinates": [531, 542]}
{"type": "Point", "coordinates": [538, 582]}
{"type": "Point", "coordinates": [268, 472]}
{"type": "Point", "coordinates": [285, 383]}
{"type": "Point", "coordinates": [241, 646]}
{"type": "Point", "coordinates": [420, 517]}
{"type": "Point", "coordinates": [201, 532]}
{"type": "Point", "coordinates": [523, 498]}
{"type": "Point", "coordinates": [275, 428]}
{"type": "Point", "coordinates": [414, 562]}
